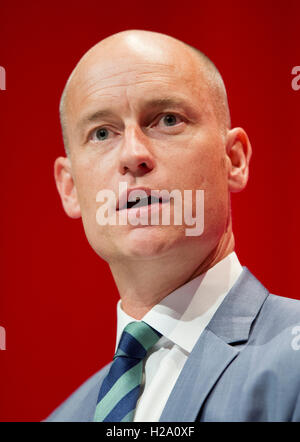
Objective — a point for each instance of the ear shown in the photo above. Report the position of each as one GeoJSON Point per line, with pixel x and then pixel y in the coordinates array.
{"type": "Point", "coordinates": [66, 187]}
{"type": "Point", "coordinates": [238, 151]}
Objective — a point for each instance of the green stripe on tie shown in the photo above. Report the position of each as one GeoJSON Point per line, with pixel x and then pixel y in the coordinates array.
{"type": "Point", "coordinates": [127, 382]}
{"type": "Point", "coordinates": [128, 417]}
{"type": "Point", "coordinates": [146, 340]}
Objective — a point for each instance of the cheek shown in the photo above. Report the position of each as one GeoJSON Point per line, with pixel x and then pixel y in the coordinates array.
{"type": "Point", "coordinates": [86, 190]}
{"type": "Point", "coordinates": [202, 170]}
{"type": "Point", "coordinates": [88, 181]}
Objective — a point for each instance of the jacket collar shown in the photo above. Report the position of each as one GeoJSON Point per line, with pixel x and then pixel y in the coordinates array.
{"type": "Point", "coordinates": [233, 319]}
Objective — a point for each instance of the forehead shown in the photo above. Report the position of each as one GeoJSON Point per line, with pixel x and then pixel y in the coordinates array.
{"type": "Point", "coordinates": [126, 82]}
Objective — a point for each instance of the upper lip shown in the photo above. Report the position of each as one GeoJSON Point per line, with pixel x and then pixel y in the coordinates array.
{"type": "Point", "coordinates": [150, 192]}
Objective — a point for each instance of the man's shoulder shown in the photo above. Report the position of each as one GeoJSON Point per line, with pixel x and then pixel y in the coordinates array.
{"type": "Point", "coordinates": [80, 406]}
{"type": "Point", "coordinates": [278, 311]}
{"type": "Point", "coordinates": [276, 333]}
{"type": "Point", "coordinates": [284, 311]}
{"type": "Point", "coordinates": [285, 302]}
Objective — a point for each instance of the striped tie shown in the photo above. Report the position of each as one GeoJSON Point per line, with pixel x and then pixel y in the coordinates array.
{"type": "Point", "coordinates": [120, 389]}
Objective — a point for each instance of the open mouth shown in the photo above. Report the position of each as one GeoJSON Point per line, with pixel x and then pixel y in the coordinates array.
{"type": "Point", "coordinates": [141, 202]}
{"type": "Point", "coordinates": [141, 198]}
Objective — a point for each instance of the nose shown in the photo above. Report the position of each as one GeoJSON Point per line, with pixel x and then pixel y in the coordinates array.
{"type": "Point", "coordinates": [136, 157]}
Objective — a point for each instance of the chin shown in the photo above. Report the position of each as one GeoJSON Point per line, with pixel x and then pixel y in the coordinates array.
{"type": "Point", "coordinates": [150, 241]}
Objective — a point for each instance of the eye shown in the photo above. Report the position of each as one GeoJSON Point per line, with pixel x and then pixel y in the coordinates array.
{"type": "Point", "coordinates": [101, 134]}
{"type": "Point", "coordinates": [169, 123]}
{"type": "Point", "coordinates": [170, 120]}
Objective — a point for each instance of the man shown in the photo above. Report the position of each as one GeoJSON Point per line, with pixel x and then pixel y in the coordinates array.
{"type": "Point", "coordinates": [147, 110]}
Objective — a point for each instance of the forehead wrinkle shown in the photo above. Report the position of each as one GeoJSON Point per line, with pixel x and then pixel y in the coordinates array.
{"type": "Point", "coordinates": [97, 92]}
{"type": "Point", "coordinates": [137, 80]}
{"type": "Point", "coordinates": [94, 90]}
{"type": "Point", "coordinates": [145, 65]}
{"type": "Point", "coordinates": [94, 72]}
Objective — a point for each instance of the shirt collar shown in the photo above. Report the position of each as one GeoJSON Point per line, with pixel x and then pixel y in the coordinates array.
{"type": "Point", "coordinates": [183, 314]}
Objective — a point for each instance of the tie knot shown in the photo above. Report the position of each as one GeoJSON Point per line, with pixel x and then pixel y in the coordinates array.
{"type": "Point", "coordinates": [137, 338]}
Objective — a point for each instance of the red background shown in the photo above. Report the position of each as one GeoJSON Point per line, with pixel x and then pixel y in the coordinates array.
{"type": "Point", "coordinates": [57, 297]}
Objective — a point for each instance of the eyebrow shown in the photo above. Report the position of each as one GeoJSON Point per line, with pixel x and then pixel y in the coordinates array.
{"type": "Point", "coordinates": [167, 101]}
{"type": "Point", "coordinates": [153, 103]}
{"type": "Point", "coordinates": [171, 102]}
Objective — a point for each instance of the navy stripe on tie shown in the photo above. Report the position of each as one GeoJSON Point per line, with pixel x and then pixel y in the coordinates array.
{"type": "Point", "coordinates": [120, 365]}
{"type": "Point", "coordinates": [121, 409]}
{"type": "Point", "coordinates": [128, 343]}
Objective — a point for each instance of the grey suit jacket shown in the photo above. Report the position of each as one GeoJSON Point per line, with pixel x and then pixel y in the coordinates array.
{"type": "Point", "coordinates": [244, 367]}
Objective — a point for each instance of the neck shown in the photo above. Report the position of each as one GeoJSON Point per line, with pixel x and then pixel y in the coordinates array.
{"type": "Point", "coordinates": [143, 284]}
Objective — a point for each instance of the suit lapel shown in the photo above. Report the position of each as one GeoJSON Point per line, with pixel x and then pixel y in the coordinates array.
{"type": "Point", "coordinates": [214, 350]}
{"type": "Point", "coordinates": [208, 360]}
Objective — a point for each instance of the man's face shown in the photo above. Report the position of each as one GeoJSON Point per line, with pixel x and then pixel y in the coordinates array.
{"type": "Point", "coordinates": [145, 117]}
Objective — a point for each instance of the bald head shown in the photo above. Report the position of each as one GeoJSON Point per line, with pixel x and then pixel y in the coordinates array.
{"type": "Point", "coordinates": [141, 45]}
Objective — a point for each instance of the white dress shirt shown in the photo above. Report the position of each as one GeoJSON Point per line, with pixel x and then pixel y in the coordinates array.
{"type": "Point", "coordinates": [180, 317]}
